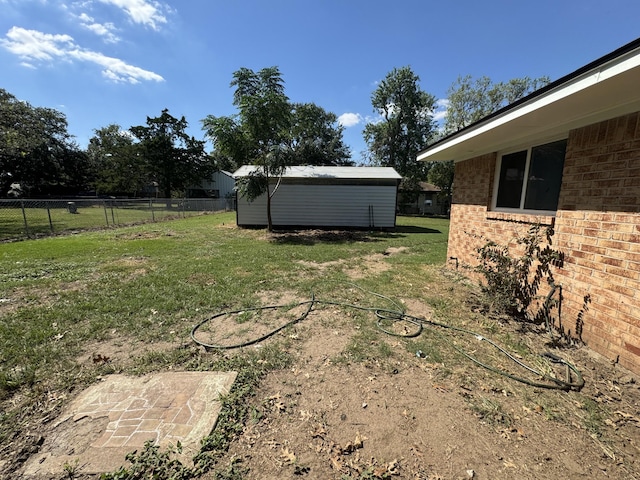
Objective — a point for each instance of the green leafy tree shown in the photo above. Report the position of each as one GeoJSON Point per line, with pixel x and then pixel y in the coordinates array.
{"type": "Point", "coordinates": [316, 137]}
{"type": "Point", "coordinates": [119, 170]}
{"type": "Point", "coordinates": [406, 126]}
{"type": "Point", "coordinates": [259, 133]}
{"type": "Point", "coordinates": [271, 133]}
{"type": "Point", "coordinates": [441, 175]}
{"type": "Point", "coordinates": [36, 151]}
{"type": "Point", "coordinates": [470, 100]}
{"type": "Point", "coordinates": [172, 158]}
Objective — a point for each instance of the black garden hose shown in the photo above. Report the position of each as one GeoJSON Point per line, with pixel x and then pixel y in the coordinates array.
{"type": "Point", "coordinates": [385, 315]}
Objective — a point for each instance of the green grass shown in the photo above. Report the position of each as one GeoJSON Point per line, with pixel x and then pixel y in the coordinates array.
{"type": "Point", "coordinates": [62, 297]}
{"type": "Point", "coordinates": [153, 282]}
{"type": "Point", "coordinates": [43, 221]}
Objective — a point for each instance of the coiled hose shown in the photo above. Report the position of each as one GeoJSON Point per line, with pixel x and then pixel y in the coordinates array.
{"type": "Point", "coordinates": [385, 316]}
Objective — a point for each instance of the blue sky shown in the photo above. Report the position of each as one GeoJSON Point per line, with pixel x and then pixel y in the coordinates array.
{"type": "Point", "coordinates": [119, 61]}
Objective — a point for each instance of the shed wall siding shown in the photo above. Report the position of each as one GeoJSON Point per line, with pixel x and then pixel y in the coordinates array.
{"type": "Point", "coordinates": [597, 227]}
{"type": "Point", "coordinates": [323, 206]}
{"type": "Point", "coordinates": [221, 182]}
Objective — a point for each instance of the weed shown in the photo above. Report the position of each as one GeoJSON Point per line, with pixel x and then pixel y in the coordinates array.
{"type": "Point", "coordinates": [491, 411]}
{"type": "Point", "coordinates": [70, 469]}
{"type": "Point", "coordinates": [425, 349]}
{"type": "Point", "coordinates": [152, 462]}
{"type": "Point", "coordinates": [384, 350]}
{"type": "Point", "coordinates": [512, 282]}
{"type": "Point", "coordinates": [594, 417]}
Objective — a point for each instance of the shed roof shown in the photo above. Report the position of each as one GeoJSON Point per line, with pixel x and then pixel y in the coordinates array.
{"type": "Point", "coordinates": [308, 171]}
{"type": "Point", "coordinates": [603, 89]}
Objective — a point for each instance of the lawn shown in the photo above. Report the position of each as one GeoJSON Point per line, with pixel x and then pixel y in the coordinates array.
{"type": "Point", "coordinates": [151, 283]}
{"type": "Point", "coordinates": [76, 308]}
{"type": "Point", "coordinates": [37, 220]}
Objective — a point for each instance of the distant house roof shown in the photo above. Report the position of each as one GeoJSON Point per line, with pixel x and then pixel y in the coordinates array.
{"type": "Point", "coordinates": [308, 171]}
{"type": "Point", "coordinates": [603, 89]}
{"type": "Point", "coordinates": [424, 187]}
{"type": "Point", "coordinates": [428, 187]}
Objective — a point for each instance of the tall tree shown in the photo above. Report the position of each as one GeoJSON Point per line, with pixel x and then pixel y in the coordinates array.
{"type": "Point", "coordinates": [113, 156]}
{"type": "Point", "coordinates": [172, 158]}
{"type": "Point", "coordinates": [36, 150]}
{"type": "Point", "coordinates": [407, 124]}
{"type": "Point", "coordinates": [441, 175]}
{"type": "Point", "coordinates": [470, 100]}
{"type": "Point", "coordinates": [259, 133]}
{"type": "Point", "coordinates": [316, 137]}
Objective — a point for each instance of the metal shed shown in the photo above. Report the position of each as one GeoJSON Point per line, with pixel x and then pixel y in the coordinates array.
{"type": "Point", "coordinates": [221, 184]}
{"type": "Point", "coordinates": [325, 197]}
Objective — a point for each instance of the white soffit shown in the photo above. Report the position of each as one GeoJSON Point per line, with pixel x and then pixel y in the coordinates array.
{"type": "Point", "coordinates": [607, 91]}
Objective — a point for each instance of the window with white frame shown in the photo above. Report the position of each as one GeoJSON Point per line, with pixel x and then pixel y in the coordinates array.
{"type": "Point", "coordinates": [530, 180]}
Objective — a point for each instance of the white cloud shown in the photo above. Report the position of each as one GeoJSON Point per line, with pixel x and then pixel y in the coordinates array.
{"type": "Point", "coordinates": [440, 110]}
{"type": "Point", "coordinates": [33, 46]}
{"type": "Point", "coordinates": [105, 30]}
{"type": "Point", "coordinates": [141, 11]}
{"type": "Point", "coordinates": [349, 119]}
{"type": "Point", "coordinates": [116, 69]}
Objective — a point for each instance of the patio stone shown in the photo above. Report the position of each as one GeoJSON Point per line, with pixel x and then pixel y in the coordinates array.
{"type": "Point", "coordinates": [121, 413]}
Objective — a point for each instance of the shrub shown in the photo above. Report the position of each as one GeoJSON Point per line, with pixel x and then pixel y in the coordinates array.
{"type": "Point", "coordinates": [512, 282]}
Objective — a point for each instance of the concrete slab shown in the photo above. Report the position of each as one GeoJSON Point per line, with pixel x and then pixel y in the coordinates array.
{"type": "Point", "coordinates": [118, 415]}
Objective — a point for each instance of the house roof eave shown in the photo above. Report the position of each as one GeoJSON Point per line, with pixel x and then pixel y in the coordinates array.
{"type": "Point", "coordinates": [603, 89]}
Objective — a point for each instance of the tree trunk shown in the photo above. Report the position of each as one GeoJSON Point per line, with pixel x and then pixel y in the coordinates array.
{"type": "Point", "coordinates": [269, 222]}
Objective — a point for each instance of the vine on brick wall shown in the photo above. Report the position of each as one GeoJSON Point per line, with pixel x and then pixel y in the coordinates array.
{"type": "Point", "coordinates": [512, 282]}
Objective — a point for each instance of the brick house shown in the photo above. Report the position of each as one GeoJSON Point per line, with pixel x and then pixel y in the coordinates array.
{"type": "Point", "coordinates": [567, 156]}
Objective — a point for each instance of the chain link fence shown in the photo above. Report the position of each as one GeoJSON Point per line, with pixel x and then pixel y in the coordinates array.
{"type": "Point", "coordinates": [33, 218]}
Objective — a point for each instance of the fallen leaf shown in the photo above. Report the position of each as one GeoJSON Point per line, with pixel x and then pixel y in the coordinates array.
{"type": "Point", "coordinates": [416, 450]}
{"type": "Point", "coordinates": [336, 463]}
{"type": "Point", "coordinates": [394, 467]}
{"type": "Point", "coordinates": [97, 358]}
{"type": "Point", "coordinates": [305, 415]}
{"type": "Point", "coordinates": [288, 456]}
{"type": "Point", "coordinates": [318, 432]}
{"type": "Point", "coordinates": [380, 471]}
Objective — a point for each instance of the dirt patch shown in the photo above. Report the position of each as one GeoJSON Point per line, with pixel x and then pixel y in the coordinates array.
{"type": "Point", "coordinates": [320, 267]}
{"type": "Point", "coordinates": [407, 418]}
{"type": "Point", "coordinates": [312, 236]}
{"type": "Point", "coordinates": [130, 267]}
{"type": "Point", "coordinates": [361, 267]}
{"type": "Point", "coordinates": [21, 296]}
{"type": "Point", "coordinates": [144, 235]}
{"type": "Point", "coordinates": [276, 310]}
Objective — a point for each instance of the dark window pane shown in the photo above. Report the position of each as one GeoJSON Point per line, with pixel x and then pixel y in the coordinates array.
{"type": "Point", "coordinates": [545, 176]}
{"type": "Point", "coordinates": [511, 180]}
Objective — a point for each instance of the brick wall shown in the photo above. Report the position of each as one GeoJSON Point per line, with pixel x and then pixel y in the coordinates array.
{"type": "Point", "coordinates": [597, 227]}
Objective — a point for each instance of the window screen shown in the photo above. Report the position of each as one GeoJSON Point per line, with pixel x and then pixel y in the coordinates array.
{"type": "Point", "coordinates": [545, 176]}
{"type": "Point", "coordinates": [511, 176]}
